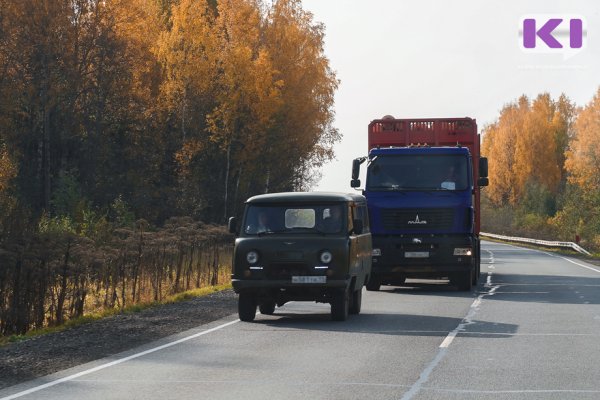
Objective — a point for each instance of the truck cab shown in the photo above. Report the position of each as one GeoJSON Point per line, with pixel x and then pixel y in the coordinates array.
{"type": "Point", "coordinates": [302, 247]}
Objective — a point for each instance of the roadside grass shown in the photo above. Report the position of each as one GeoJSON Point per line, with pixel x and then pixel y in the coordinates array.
{"type": "Point", "coordinates": [593, 259]}
{"type": "Point", "coordinates": [135, 308]}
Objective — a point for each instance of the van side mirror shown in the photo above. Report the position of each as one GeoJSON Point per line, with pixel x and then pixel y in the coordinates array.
{"type": "Point", "coordinates": [232, 225]}
{"type": "Point", "coordinates": [358, 226]}
{"type": "Point", "coordinates": [483, 182]}
{"type": "Point", "coordinates": [483, 168]}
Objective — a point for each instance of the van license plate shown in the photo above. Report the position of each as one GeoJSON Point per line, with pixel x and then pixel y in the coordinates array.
{"type": "Point", "coordinates": [309, 279]}
{"type": "Point", "coordinates": [416, 254]}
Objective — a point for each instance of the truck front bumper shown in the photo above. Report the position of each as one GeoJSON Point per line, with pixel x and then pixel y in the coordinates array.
{"type": "Point", "coordinates": [267, 284]}
{"type": "Point", "coordinates": [421, 256]}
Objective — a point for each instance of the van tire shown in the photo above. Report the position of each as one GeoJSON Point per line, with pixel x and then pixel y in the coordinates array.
{"type": "Point", "coordinates": [340, 305]}
{"type": "Point", "coordinates": [267, 307]}
{"type": "Point", "coordinates": [356, 303]}
{"type": "Point", "coordinates": [246, 307]}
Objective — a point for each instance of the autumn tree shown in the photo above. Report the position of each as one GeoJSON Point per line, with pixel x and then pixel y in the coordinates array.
{"type": "Point", "coordinates": [583, 156]}
{"type": "Point", "coordinates": [303, 129]}
{"type": "Point", "coordinates": [526, 147]}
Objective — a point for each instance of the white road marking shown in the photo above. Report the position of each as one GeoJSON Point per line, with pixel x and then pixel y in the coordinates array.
{"type": "Point", "coordinates": [581, 265]}
{"type": "Point", "coordinates": [465, 391]}
{"type": "Point", "coordinates": [443, 348]}
{"type": "Point", "coordinates": [115, 362]}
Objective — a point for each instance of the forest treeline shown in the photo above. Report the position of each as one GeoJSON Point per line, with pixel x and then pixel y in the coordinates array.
{"type": "Point", "coordinates": [544, 169]}
{"type": "Point", "coordinates": [120, 117]}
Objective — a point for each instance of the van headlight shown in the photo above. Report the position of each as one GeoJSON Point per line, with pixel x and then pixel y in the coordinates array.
{"type": "Point", "coordinates": [326, 257]}
{"type": "Point", "coordinates": [459, 251]}
{"type": "Point", "coordinates": [252, 257]}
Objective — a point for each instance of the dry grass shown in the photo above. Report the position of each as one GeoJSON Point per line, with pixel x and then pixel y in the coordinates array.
{"type": "Point", "coordinates": [91, 317]}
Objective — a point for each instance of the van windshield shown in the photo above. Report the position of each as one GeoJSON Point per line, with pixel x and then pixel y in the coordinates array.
{"type": "Point", "coordinates": [418, 172]}
{"type": "Point", "coordinates": [322, 218]}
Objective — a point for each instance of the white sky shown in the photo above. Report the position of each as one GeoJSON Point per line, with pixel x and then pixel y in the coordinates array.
{"type": "Point", "coordinates": [418, 59]}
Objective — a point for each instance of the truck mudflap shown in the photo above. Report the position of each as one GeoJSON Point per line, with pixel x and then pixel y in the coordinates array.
{"type": "Point", "coordinates": [396, 258]}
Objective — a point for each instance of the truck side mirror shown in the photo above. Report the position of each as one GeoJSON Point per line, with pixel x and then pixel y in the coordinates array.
{"type": "Point", "coordinates": [358, 226]}
{"type": "Point", "coordinates": [355, 183]}
{"type": "Point", "coordinates": [356, 169]}
{"type": "Point", "coordinates": [483, 168]}
{"type": "Point", "coordinates": [483, 182]}
{"type": "Point", "coordinates": [232, 225]}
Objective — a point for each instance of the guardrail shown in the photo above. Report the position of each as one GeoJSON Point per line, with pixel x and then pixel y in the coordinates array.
{"type": "Point", "coordinates": [546, 243]}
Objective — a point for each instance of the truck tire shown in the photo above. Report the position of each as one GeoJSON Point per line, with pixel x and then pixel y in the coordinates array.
{"type": "Point", "coordinates": [356, 303]}
{"type": "Point", "coordinates": [477, 263]}
{"type": "Point", "coordinates": [373, 285]}
{"type": "Point", "coordinates": [464, 281]}
{"type": "Point", "coordinates": [340, 305]}
{"type": "Point", "coordinates": [267, 307]}
{"type": "Point", "coordinates": [246, 307]}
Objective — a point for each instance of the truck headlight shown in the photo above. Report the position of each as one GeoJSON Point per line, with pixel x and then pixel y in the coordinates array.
{"type": "Point", "coordinates": [376, 252]}
{"type": "Point", "coordinates": [326, 257]}
{"type": "Point", "coordinates": [459, 251]}
{"type": "Point", "coordinates": [252, 257]}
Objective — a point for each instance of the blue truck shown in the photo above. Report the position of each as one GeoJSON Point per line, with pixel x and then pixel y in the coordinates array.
{"type": "Point", "coordinates": [422, 187]}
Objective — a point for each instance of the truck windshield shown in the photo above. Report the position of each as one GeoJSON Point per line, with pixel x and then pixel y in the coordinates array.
{"type": "Point", "coordinates": [266, 219]}
{"type": "Point", "coordinates": [418, 172]}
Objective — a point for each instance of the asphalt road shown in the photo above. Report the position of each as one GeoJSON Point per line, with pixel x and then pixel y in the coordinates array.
{"type": "Point", "coordinates": [531, 330]}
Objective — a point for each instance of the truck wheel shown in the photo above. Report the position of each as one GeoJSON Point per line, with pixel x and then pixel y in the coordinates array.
{"type": "Point", "coordinates": [340, 305]}
{"type": "Point", "coordinates": [356, 303]}
{"type": "Point", "coordinates": [246, 307]}
{"type": "Point", "coordinates": [373, 285]}
{"type": "Point", "coordinates": [477, 266]}
{"type": "Point", "coordinates": [267, 307]}
{"type": "Point", "coordinates": [475, 274]}
{"type": "Point", "coordinates": [464, 281]}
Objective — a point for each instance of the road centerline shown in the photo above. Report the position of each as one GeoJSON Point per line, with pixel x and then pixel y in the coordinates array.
{"type": "Point", "coordinates": [443, 347]}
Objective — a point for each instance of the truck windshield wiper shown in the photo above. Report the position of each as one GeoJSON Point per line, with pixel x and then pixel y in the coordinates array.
{"type": "Point", "coordinates": [386, 188]}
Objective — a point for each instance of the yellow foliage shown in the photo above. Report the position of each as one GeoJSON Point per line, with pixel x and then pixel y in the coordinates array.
{"type": "Point", "coordinates": [583, 157]}
{"type": "Point", "coordinates": [8, 169]}
{"type": "Point", "coordinates": [525, 146]}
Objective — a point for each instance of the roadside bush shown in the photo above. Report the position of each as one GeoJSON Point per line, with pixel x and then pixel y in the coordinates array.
{"type": "Point", "coordinates": [63, 269]}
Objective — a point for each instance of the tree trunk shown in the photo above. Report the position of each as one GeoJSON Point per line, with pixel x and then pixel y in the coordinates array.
{"type": "Point", "coordinates": [227, 181]}
{"type": "Point", "coordinates": [63, 286]}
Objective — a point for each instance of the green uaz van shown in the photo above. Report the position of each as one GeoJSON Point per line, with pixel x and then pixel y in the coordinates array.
{"type": "Point", "coordinates": [301, 247]}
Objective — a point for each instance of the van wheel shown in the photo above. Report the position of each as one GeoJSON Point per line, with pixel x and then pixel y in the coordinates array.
{"type": "Point", "coordinates": [356, 303]}
{"type": "Point", "coordinates": [247, 307]}
{"type": "Point", "coordinates": [267, 308]}
{"type": "Point", "coordinates": [340, 305]}
{"type": "Point", "coordinates": [373, 285]}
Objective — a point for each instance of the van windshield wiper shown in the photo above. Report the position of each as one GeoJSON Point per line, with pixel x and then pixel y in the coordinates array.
{"type": "Point", "coordinates": [272, 231]}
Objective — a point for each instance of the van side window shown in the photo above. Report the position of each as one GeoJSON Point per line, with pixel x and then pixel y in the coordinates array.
{"type": "Point", "coordinates": [350, 217]}
{"type": "Point", "coordinates": [361, 213]}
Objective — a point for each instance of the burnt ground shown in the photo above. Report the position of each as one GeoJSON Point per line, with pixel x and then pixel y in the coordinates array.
{"type": "Point", "coordinates": [46, 354]}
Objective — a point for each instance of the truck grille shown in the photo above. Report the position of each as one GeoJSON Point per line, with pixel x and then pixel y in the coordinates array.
{"type": "Point", "coordinates": [417, 219]}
